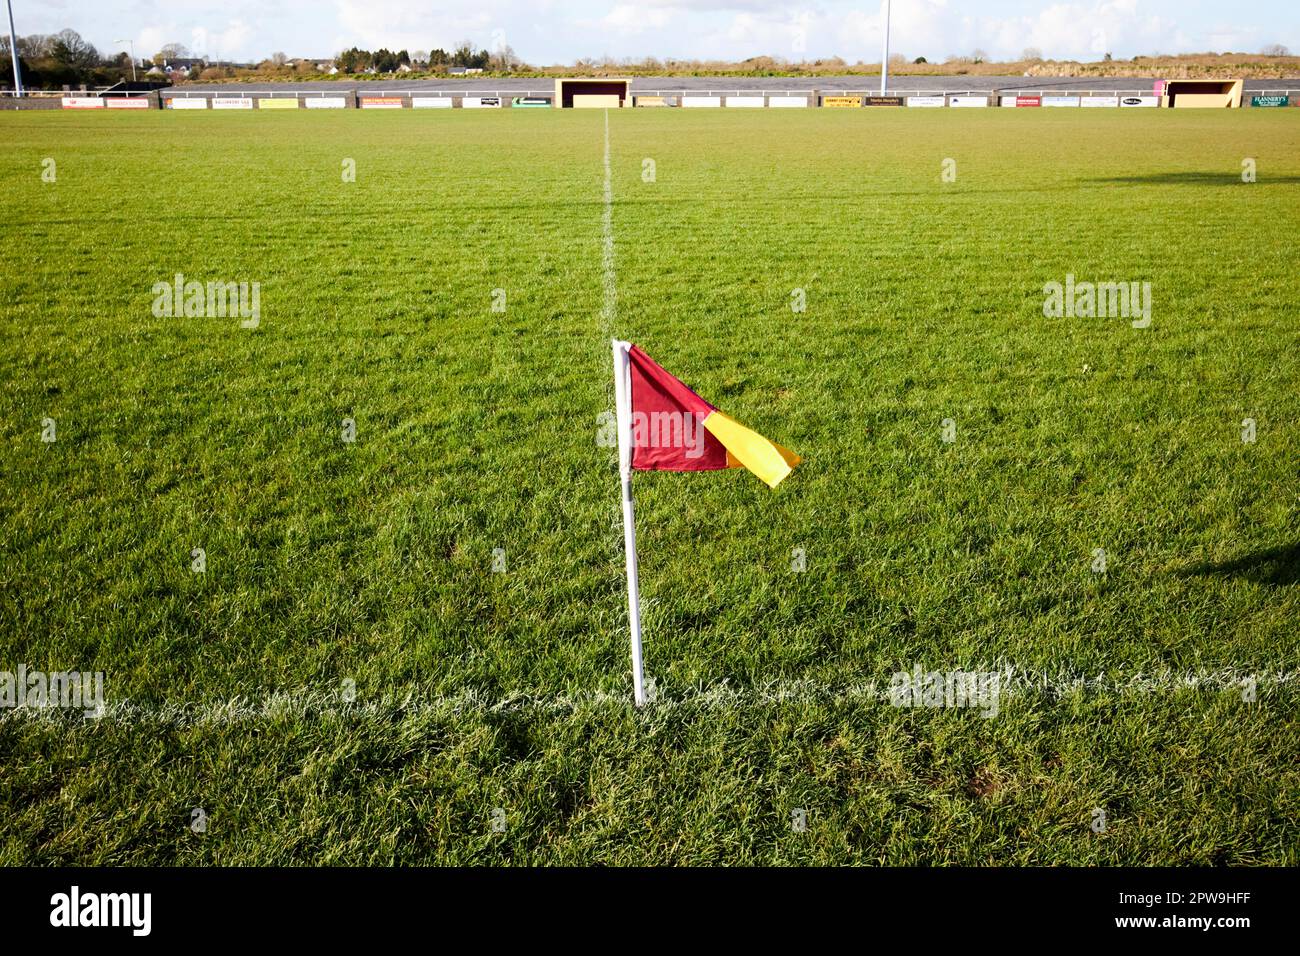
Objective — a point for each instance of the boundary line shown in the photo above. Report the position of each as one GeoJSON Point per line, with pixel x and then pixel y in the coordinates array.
{"type": "Point", "coordinates": [322, 704]}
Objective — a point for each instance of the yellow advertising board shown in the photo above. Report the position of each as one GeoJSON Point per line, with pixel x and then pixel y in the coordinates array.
{"type": "Point", "coordinates": [278, 103]}
{"type": "Point", "coordinates": [842, 102]}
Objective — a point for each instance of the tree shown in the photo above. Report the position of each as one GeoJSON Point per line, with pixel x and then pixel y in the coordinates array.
{"type": "Point", "coordinates": [278, 59]}
{"type": "Point", "coordinates": [978, 56]}
{"type": "Point", "coordinates": [920, 59]}
{"type": "Point", "coordinates": [170, 51]}
{"type": "Point", "coordinates": [439, 57]}
{"type": "Point", "coordinates": [1275, 49]}
{"type": "Point", "coordinates": [353, 61]}
{"type": "Point", "coordinates": [419, 58]}
{"type": "Point", "coordinates": [69, 49]}
{"type": "Point", "coordinates": [1031, 53]}
{"type": "Point", "coordinates": [504, 60]}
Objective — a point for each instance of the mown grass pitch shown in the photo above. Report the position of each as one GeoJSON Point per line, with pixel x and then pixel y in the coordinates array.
{"type": "Point", "coordinates": [371, 562]}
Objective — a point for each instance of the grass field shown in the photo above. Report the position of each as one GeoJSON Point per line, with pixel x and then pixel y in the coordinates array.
{"type": "Point", "coordinates": [370, 562]}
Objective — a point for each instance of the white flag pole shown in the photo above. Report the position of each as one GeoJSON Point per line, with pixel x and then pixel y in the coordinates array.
{"type": "Point", "coordinates": [623, 421]}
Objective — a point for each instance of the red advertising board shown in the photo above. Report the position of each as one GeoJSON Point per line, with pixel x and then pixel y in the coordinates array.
{"type": "Point", "coordinates": [1029, 101]}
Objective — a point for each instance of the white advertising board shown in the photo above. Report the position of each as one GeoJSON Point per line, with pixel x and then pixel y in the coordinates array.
{"type": "Point", "coordinates": [1096, 101]}
{"type": "Point", "coordinates": [788, 102]}
{"type": "Point", "coordinates": [749, 102]}
{"type": "Point", "coordinates": [232, 103]}
{"type": "Point", "coordinates": [431, 102]}
{"type": "Point", "coordinates": [1060, 101]}
{"type": "Point", "coordinates": [972, 101]}
{"type": "Point", "coordinates": [188, 103]}
{"type": "Point", "coordinates": [929, 102]}
{"type": "Point", "coordinates": [701, 101]}
{"type": "Point", "coordinates": [326, 102]}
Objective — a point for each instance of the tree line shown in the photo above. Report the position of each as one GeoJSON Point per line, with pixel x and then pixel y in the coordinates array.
{"type": "Point", "coordinates": [50, 61]}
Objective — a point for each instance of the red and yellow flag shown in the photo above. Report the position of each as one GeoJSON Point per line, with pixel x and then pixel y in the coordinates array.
{"type": "Point", "coordinates": [673, 429]}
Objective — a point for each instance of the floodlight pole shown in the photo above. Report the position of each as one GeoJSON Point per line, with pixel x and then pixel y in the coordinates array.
{"type": "Point", "coordinates": [13, 50]}
{"type": "Point", "coordinates": [884, 55]}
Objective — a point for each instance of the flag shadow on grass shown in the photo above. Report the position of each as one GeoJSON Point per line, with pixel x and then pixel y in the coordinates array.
{"type": "Point", "coordinates": [1223, 177]}
{"type": "Point", "coordinates": [1279, 567]}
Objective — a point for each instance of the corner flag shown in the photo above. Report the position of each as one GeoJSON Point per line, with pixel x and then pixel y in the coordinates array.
{"type": "Point", "coordinates": [664, 426]}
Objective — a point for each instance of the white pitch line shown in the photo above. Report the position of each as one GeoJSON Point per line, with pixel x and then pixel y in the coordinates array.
{"type": "Point", "coordinates": [328, 704]}
{"type": "Point", "coordinates": [609, 307]}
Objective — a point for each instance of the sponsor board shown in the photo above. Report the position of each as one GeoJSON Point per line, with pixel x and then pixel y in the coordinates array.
{"type": "Point", "coordinates": [1028, 101]}
{"type": "Point", "coordinates": [1060, 101]}
{"type": "Point", "coordinates": [928, 102]}
{"type": "Point", "coordinates": [787, 102]}
{"type": "Point", "coordinates": [1096, 101]}
{"type": "Point", "coordinates": [188, 103]}
{"type": "Point", "coordinates": [326, 102]}
{"type": "Point", "coordinates": [841, 102]}
{"type": "Point", "coordinates": [650, 101]}
{"type": "Point", "coordinates": [431, 102]}
{"type": "Point", "coordinates": [1007, 101]}
{"type": "Point", "coordinates": [381, 102]}
{"type": "Point", "coordinates": [1139, 101]}
{"type": "Point", "coordinates": [480, 102]}
{"type": "Point", "coordinates": [1270, 101]}
{"type": "Point", "coordinates": [232, 103]}
{"type": "Point", "coordinates": [278, 103]}
{"type": "Point", "coordinates": [530, 102]}
{"type": "Point", "coordinates": [973, 101]}
{"type": "Point", "coordinates": [701, 101]}
{"type": "Point", "coordinates": [747, 102]}
{"type": "Point", "coordinates": [82, 102]}
{"type": "Point", "coordinates": [126, 102]}
{"type": "Point", "coordinates": [884, 101]}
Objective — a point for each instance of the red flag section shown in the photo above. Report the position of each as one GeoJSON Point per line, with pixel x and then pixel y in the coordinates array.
{"type": "Point", "coordinates": [668, 432]}
{"type": "Point", "coordinates": [673, 429]}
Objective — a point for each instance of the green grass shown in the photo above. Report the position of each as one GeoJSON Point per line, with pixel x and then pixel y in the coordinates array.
{"type": "Point", "coordinates": [372, 561]}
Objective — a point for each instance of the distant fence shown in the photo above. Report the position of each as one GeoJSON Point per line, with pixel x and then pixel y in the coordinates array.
{"type": "Point", "coordinates": [380, 98]}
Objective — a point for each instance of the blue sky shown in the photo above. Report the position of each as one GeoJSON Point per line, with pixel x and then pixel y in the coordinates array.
{"type": "Point", "coordinates": [545, 31]}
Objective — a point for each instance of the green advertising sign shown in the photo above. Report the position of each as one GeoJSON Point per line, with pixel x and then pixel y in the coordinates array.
{"type": "Point", "coordinates": [1270, 101]}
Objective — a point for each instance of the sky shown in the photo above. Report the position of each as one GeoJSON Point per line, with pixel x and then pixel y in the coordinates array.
{"type": "Point", "coordinates": [544, 32]}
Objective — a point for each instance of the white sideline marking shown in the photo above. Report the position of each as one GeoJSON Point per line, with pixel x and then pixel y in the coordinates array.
{"type": "Point", "coordinates": [322, 704]}
{"type": "Point", "coordinates": [610, 306]}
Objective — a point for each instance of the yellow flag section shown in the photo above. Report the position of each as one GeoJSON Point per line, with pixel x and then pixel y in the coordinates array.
{"type": "Point", "coordinates": [766, 459]}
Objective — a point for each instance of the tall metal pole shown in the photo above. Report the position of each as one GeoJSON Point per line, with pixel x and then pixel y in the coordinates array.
{"type": "Point", "coordinates": [884, 56]}
{"type": "Point", "coordinates": [13, 50]}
